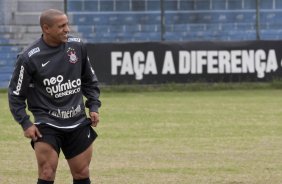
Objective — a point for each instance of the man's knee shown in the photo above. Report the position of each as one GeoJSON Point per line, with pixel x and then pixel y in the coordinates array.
{"type": "Point", "coordinates": [79, 165]}
{"type": "Point", "coordinates": [47, 173]}
{"type": "Point", "coordinates": [47, 160]}
{"type": "Point", "coordinates": [81, 173]}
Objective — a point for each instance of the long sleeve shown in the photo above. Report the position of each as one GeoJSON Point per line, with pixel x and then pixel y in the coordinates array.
{"type": "Point", "coordinates": [17, 93]}
{"type": "Point", "coordinates": [90, 86]}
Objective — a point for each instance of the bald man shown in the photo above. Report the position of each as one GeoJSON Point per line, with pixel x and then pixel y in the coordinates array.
{"type": "Point", "coordinates": [52, 75]}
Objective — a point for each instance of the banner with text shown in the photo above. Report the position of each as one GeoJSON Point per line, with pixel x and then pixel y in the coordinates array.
{"type": "Point", "coordinates": [182, 62]}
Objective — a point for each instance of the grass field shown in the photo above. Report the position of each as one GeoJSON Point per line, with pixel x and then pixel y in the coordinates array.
{"type": "Point", "coordinates": [191, 137]}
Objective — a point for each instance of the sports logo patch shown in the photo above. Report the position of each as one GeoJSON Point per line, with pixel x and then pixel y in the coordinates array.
{"type": "Point", "coordinates": [72, 54]}
{"type": "Point", "coordinates": [73, 40]}
{"type": "Point", "coordinates": [33, 51]}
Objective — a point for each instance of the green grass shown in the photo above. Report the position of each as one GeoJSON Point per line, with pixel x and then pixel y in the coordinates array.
{"type": "Point", "coordinates": [199, 137]}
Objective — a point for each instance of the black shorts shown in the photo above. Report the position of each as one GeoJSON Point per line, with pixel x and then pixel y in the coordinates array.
{"type": "Point", "coordinates": [71, 143]}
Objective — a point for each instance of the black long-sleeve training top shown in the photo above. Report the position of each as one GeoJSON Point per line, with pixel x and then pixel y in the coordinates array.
{"type": "Point", "coordinates": [53, 80]}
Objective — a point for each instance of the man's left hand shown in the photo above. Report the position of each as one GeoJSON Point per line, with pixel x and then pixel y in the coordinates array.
{"type": "Point", "coordinates": [94, 116]}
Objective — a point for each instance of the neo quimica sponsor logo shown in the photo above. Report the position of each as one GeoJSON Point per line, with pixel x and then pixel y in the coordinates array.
{"type": "Point", "coordinates": [57, 87]}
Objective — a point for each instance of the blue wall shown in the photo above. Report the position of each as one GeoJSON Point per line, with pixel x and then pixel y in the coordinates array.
{"type": "Point", "coordinates": [184, 20]}
{"type": "Point", "coordinates": [7, 59]}
{"type": "Point", "coordinates": [99, 21]}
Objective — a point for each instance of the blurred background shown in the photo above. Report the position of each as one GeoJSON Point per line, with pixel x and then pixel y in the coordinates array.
{"type": "Point", "coordinates": [116, 21]}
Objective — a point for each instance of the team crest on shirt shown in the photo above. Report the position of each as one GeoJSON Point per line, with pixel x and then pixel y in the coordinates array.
{"type": "Point", "coordinates": [72, 54]}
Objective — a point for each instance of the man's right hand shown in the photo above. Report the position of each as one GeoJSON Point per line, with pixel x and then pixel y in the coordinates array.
{"type": "Point", "coordinates": [32, 133]}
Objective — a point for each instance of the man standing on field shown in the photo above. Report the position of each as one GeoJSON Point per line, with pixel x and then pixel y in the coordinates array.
{"type": "Point", "coordinates": [53, 74]}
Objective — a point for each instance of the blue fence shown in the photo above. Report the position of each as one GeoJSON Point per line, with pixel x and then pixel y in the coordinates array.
{"type": "Point", "coordinates": [7, 60]}
{"type": "Point", "coordinates": [100, 21]}
{"type": "Point", "coordinates": [184, 20]}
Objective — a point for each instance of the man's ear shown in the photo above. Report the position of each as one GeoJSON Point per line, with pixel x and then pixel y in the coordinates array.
{"type": "Point", "coordinates": [45, 28]}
